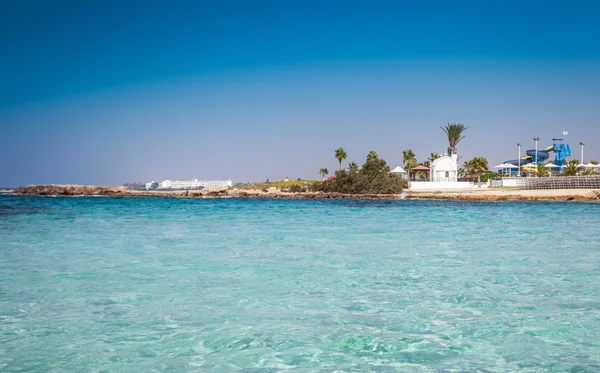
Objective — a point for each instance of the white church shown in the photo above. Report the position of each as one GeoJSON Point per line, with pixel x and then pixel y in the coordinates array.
{"type": "Point", "coordinates": [444, 169]}
{"type": "Point", "coordinates": [443, 175]}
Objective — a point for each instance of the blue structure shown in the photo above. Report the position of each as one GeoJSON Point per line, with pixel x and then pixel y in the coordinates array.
{"type": "Point", "coordinates": [560, 149]}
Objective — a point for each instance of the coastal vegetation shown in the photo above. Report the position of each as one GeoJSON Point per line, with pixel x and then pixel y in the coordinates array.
{"type": "Point", "coordinates": [410, 161]}
{"type": "Point", "coordinates": [475, 167]}
{"type": "Point", "coordinates": [323, 172]}
{"type": "Point", "coordinates": [340, 155]}
{"type": "Point", "coordinates": [454, 132]}
{"type": "Point", "coordinates": [134, 186]}
{"type": "Point", "coordinates": [373, 177]}
{"type": "Point", "coordinates": [433, 157]}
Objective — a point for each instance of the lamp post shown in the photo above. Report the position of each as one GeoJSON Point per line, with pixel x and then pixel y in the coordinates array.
{"type": "Point", "coordinates": [519, 159]}
{"type": "Point", "coordinates": [582, 145]}
{"type": "Point", "coordinates": [536, 139]}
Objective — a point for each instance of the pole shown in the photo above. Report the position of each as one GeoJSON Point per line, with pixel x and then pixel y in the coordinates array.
{"type": "Point", "coordinates": [582, 145]}
{"type": "Point", "coordinates": [519, 145]}
{"type": "Point", "coordinates": [536, 157]}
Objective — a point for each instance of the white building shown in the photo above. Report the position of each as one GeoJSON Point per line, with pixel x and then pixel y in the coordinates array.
{"type": "Point", "coordinates": [444, 169]}
{"type": "Point", "coordinates": [443, 175]}
{"type": "Point", "coordinates": [191, 184]}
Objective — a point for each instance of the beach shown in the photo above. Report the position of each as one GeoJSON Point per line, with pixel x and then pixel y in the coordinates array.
{"type": "Point", "coordinates": [508, 194]}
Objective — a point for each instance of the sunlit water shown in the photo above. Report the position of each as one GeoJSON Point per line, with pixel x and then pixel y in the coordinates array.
{"type": "Point", "coordinates": [157, 285]}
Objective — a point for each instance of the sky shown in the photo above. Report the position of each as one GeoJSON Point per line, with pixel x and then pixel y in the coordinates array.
{"type": "Point", "coordinates": [108, 92]}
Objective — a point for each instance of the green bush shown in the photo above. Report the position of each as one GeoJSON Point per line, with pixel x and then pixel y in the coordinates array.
{"type": "Point", "coordinates": [487, 176]}
{"type": "Point", "coordinates": [373, 178]}
{"type": "Point", "coordinates": [296, 188]}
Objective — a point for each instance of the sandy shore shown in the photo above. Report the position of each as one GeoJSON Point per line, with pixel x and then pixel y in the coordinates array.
{"type": "Point", "coordinates": [501, 194]}
{"type": "Point", "coordinates": [495, 194]}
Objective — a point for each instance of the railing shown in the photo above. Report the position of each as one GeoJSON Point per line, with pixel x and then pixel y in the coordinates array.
{"type": "Point", "coordinates": [562, 182]}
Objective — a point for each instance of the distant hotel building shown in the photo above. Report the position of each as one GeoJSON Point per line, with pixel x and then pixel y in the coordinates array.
{"type": "Point", "coordinates": [190, 184]}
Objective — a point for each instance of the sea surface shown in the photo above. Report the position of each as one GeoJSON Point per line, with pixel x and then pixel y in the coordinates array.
{"type": "Point", "coordinates": [232, 285]}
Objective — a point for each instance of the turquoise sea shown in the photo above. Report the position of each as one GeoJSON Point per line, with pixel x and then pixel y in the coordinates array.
{"type": "Point", "coordinates": [228, 285]}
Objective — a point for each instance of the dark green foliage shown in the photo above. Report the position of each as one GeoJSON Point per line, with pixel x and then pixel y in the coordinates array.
{"type": "Point", "coordinates": [295, 188]}
{"type": "Point", "coordinates": [134, 186]}
{"type": "Point", "coordinates": [373, 178]}
{"type": "Point", "coordinates": [475, 168]}
{"type": "Point", "coordinates": [487, 176]}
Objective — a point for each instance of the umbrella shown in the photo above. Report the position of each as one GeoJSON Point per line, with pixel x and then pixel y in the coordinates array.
{"type": "Point", "coordinates": [421, 168]}
{"type": "Point", "coordinates": [398, 170]}
{"type": "Point", "coordinates": [528, 165]}
{"type": "Point", "coordinates": [591, 165]}
{"type": "Point", "coordinates": [506, 165]}
{"type": "Point", "coordinates": [551, 165]}
{"type": "Point", "coordinates": [581, 165]}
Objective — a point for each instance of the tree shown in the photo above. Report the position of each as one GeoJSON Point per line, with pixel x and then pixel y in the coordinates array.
{"type": "Point", "coordinates": [340, 155]}
{"type": "Point", "coordinates": [454, 132]}
{"type": "Point", "coordinates": [570, 168]}
{"type": "Point", "coordinates": [373, 178]}
{"type": "Point", "coordinates": [594, 162]}
{"type": "Point", "coordinates": [542, 170]}
{"type": "Point", "coordinates": [154, 185]}
{"type": "Point", "coordinates": [372, 155]}
{"type": "Point", "coordinates": [323, 172]}
{"type": "Point", "coordinates": [410, 161]}
{"type": "Point", "coordinates": [353, 167]}
{"type": "Point", "coordinates": [433, 157]}
{"type": "Point", "coordinates": [475, 167]}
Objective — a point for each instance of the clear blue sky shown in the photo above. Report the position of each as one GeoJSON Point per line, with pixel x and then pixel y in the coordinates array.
{"type": "Point", "coordinates": [106, 92]}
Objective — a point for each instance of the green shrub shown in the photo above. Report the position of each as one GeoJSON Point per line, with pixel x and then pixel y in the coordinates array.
{"type": "Point", "coordinates": [296, 188]}
{"type": "Point", "coordinates": [487, 176]}
{"type": "Point", "coordinates": [373, 178]}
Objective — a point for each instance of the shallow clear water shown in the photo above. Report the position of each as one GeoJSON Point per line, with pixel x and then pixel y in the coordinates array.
{"type": "Point", "coordinates": [153, 285]}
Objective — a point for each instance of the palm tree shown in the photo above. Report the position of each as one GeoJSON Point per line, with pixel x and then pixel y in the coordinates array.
{"type": "Point", "coordinates": [323, 172]}
{"type": "Point", "coordinates": [433, 157]}
{"type": "Point", "coordinates": [409, 157]}
{"type": "Point", "coordinates": [340, 155]}
{"type": "Point", "coordinates": [571, 168]}
{"type": "Point", "coordinates": [410, 160]}
{"type": "Point", "coordinates": [353, 167]}
{"type": "Point", "coordinates": [475, 167]}
{"type": "Point", "coordinates": [372, 156]}
{"type": "Point", "coordinates": [454, 132]}
{"type": "Point", "coordinates": [542, 170]}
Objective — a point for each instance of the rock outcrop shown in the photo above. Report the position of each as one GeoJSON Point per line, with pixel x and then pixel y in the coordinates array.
{"type": "Point", "coordinates": [272, 192]}
{"type": "Point", "coordinates": [215, 192]}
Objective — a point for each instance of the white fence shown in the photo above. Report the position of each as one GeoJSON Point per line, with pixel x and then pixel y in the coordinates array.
{"type": "Point", "coordinates": [563, 182]}
{"type": "Point", "coordinates": [435, 186]}
{"type": "Point", "coordinates": [510, 182]}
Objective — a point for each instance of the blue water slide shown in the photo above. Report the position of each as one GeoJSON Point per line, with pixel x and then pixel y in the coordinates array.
{"type": "Point", "coordinates": [541, 154]}
{"type": "Point", "coordinates": [562, 152]}
{"type": "Point", "coordinates": [516, 162]}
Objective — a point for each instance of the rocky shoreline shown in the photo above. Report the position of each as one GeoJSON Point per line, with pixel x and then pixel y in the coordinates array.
{"type": "Point", "coordinates": [276, 193]}
{"type": "Point", "coordinates": [79, 190]}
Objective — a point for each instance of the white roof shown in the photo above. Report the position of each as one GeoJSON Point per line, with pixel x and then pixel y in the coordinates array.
{"type": "Point", "coordinates": [398, 170]}
{"type": "Point", "coordinates": [506, 165]}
